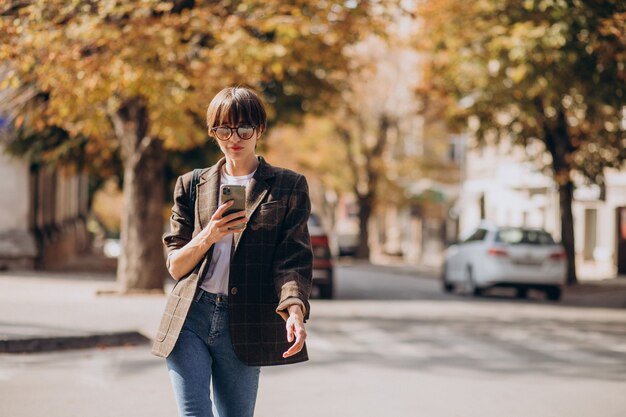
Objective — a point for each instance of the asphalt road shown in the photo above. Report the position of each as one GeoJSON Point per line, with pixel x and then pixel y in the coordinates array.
{"type": "Point", "coordinates": [390, 345]}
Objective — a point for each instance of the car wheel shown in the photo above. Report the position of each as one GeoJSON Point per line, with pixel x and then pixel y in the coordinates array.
{"type": "Point", "coordinates": [470, 284]}
{"type": "Point", "coordinates": [553, 294]}
{"type": "Point", "coordinates": [447, 286]}
{"type": "Point", "coordinates": [521, 292]}
{"type": "Point", "coordinates": [326, 291]}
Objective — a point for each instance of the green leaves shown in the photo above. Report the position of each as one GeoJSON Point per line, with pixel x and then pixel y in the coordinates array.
{"type": "Point", "coordinates": [550, 68]}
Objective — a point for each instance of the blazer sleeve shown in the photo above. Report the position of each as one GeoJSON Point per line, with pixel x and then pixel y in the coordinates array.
{"type": "Point", "coordinates": [293, 261]}
{"type": "Point", "coordinates": [181, 220]}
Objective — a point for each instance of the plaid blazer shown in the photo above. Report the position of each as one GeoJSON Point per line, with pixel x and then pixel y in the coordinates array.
{"type": "Point", "coordinates": [271, 262]}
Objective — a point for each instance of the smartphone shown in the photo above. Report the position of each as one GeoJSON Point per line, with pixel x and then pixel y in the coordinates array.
{"type": "Point", "coordinates": [233, 192]}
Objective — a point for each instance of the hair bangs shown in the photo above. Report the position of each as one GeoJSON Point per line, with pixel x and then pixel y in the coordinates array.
{"type": "Point", "coordinates": [234, 106]}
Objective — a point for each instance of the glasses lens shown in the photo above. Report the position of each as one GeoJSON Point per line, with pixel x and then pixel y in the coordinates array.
{"type": "Point", "coordinates": [245, 132]}
{"type": "Point", "coordinates": [222, 133]}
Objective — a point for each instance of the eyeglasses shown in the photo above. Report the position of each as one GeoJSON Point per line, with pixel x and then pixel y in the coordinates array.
{"type": "Point", "coordinates": [245, 132]}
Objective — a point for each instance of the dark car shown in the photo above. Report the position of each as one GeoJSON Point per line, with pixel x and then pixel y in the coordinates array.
{"type": "Point", "coordinates": [322, 258]}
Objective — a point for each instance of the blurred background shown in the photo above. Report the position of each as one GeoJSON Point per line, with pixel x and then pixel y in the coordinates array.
{"type": "Point", "coordinates": [452, 149]}
{"type": "Point", "coordinates": [411, 128]}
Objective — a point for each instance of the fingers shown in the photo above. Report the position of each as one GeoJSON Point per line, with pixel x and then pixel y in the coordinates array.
{"type": "Point", "coordinates": [295, 329]}
{"type": "Point", "coordinates": [232, 216]}
{"type": "Point", "coordinates": [220, 228]}
{"type": "Point", "coordinates": [218, 216]}
{"type": "Point", "coordinates": [221, 209]}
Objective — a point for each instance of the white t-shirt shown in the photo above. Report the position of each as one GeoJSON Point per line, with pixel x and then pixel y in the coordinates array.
{"type": "Point", "coordinates": [216, 278]}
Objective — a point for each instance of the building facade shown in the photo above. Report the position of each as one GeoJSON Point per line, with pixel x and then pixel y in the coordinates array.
{"type": "Point", "coordinates": [503, 186]}
{"type": "Point", "coordinates": [43, 214]}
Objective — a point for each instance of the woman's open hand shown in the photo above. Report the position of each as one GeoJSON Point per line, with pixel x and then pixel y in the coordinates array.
{"type": "Point", "coordinates": [295, 327]}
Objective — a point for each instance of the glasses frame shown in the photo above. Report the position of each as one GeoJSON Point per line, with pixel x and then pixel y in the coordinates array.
{"type": "Point", "coordinates": [232, 130]}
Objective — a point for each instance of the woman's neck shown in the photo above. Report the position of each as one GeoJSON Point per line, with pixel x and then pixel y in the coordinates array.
{"type": "Point", "coordinates": [241, 167]}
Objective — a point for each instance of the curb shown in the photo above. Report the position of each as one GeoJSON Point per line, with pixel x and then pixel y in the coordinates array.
{"type": "Point", "coordinates": [59, 343]}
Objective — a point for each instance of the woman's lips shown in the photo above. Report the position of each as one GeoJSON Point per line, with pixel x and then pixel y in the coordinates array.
{"type": "Point", "coordinates": [236, 148]}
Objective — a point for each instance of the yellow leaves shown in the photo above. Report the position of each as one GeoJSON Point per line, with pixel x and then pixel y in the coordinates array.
{"type": "Point", "coordinates": [164, 7]}
{"type": "Point", "coordinates": [277, 70]}
{"type": "Point", "coordinates": [555, 35]}
{"type": "Point", "coordinates": [91, 60]}
{"type": "Point", "coordinates": [182, 80]}
{"type": "Point", "coordinates": [279, 50]}
{"type": "Point", "coordinates": [528, 4]}
{"type": "Point", "coordinates": [287, 32]}
{"type": "Point", "coordinates": [517, 74]}
{"type": "Point", "coordinates": [128, 75]}
{"type": "Point", "coordinates": [493, 66]}
{"type": "Point", "coordinates": [19, 121]}
{"type": "Point", "coordinates": [10, 80]}
{"type": "Point", "coordinates": [168, 37]}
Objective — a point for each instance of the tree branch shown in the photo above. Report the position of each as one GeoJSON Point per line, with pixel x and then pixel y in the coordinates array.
{"type": "Point", "coordinates": [345, 136]}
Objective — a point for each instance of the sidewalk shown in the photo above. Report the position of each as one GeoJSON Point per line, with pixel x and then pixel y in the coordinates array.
{"type": "Point", "coordinates": [44, 311]}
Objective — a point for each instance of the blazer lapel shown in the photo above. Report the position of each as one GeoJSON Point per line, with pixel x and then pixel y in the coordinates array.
{"type": "Point", "coordinates": [255, 192]}
{"type": "Point", "coordinates": [208, 194]}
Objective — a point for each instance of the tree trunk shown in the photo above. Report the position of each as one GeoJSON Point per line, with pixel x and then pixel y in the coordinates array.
{"type": "Point", "coordinates": [560, 148]}
{"type": "Point", "coordinates": [566, 195]}
{"type": "Point", "coordinates": [141, 265]}
{"type": "Point", "coordinates": [366, 174]}
{"type": "Point", "coordinates": [365, 211]}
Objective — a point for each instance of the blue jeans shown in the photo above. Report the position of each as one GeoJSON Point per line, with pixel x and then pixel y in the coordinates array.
{"type": "Point", "coordinates": [204, 352]}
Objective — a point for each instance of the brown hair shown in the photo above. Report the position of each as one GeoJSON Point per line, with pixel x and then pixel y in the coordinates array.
{"type": "Point", "coordinates": [234, 105]}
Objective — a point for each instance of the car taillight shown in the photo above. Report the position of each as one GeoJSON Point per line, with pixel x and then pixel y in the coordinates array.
{"type": "Point", "coordinates": [320, 246]}
{"type": "Point", "coordinates": [557, 256]}
{"type": "Point", "coordinates": [497, 252]}
{"type": "Point", "coordinates": [319, 240]}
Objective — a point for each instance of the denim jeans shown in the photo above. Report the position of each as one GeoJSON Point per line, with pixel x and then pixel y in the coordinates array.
{"type": "Point", "coordinates": [204, 353]}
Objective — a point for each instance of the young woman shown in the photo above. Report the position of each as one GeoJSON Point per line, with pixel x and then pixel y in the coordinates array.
{"type": "Point", "coordinates": [241, 297]}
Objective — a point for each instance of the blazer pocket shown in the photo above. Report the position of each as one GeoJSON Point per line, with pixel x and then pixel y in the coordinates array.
{"type": "Point", "coordinates": [271, 205]}
{"type": "Point", "coordinates": [168, 315]}
{"type": "Point", "coordinates": [269, 215]}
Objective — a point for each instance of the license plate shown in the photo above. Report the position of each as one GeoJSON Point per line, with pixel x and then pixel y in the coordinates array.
{"type": "Point", "coordinates": [320, 274]}
{"type": "Point", "coordinates": [532, 262]}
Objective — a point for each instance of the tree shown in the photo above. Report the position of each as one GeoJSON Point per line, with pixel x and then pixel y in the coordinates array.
{"type": "Point", "coordinates": [552, 71]}
{"type": "Point", "coordinates": [135, 77]}
{"type": "Point", "coordinates": [359, 147]}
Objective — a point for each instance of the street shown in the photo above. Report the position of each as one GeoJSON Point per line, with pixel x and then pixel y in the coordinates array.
{"type": "Point", "coordinates": [413, 154]}
{"type": "Point", "coordinates": [390, 345]}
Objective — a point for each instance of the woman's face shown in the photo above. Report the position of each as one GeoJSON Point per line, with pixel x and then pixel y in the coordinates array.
{"type": "Point", "coordinates": [236, 148]}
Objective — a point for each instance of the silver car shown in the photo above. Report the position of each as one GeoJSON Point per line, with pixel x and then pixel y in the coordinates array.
{"type": "Point", "coordinates": [517, 257]}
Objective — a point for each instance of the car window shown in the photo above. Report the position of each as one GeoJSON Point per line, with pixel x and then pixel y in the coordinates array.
{"type": "Point", "coordinates": [476, 236]}
{"type": "Point", "coordinates": [314, 220]}
{"type": "Point", "coordinates": [524, 236]}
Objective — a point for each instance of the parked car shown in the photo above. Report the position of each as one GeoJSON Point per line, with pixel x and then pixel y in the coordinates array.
{"type": "Point", "coordinates": [323, 274]}
{"type": "Point", "coordinates": [347, 232]}
{"type": "Point", "coordinates": [491, 256]}
{"type": "Point", "coordinates": [347, 238]}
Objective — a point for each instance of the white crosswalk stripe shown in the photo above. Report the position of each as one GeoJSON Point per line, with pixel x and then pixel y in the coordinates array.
{"type": "Point", "coordinates": [494, 345]}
